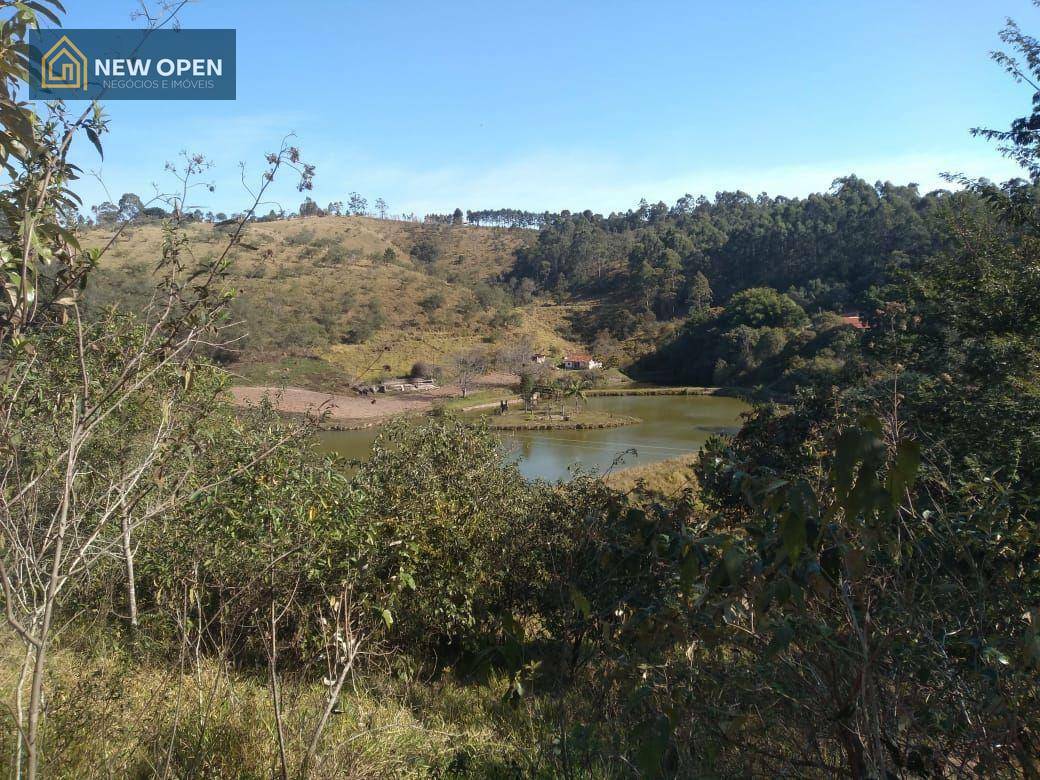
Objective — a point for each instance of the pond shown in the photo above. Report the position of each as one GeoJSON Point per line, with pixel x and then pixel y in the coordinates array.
{"type": "Point", "coordinates": [672, 425]}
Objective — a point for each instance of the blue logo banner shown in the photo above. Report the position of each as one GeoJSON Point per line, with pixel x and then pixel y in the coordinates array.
{"type": "Point", "coordinates": [132, 64]}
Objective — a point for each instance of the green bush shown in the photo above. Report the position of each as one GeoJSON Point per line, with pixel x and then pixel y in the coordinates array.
{"type": "Point", "coordinates": [764, 307]}
{"type": "Point", "coordinates": [280, 531]}
{"type": "Point", "coordinates": [446, 508]}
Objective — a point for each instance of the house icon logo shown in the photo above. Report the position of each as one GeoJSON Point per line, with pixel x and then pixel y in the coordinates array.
{"type": "Point", "coordinates": [63, 66]}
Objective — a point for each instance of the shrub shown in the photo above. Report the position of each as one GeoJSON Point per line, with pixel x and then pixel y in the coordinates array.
{"type": "Point", "coordinates": [280, 531]}
{"type": "Point", "coordinates": [423, 370]}
{"type": "Point", "coordinates": [432, 302]}
{"type": "Point", "coordinates": [366, 323]}
{"type": "Point", "coordinates": [426, 251]}
{"type": "Point", "coordinates": [445, 505]}
{"type": "Point", "coordinates": [302, 237]}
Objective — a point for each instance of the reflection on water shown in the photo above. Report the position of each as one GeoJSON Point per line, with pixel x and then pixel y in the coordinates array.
{"type": "Point", "coordinates": [672, 426]}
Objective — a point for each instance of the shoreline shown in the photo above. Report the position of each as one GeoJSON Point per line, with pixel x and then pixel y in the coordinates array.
{"type": "Point", "coordinates": [343, 412]}
{"type": "Point", "coordinates": [668, 476]}
{"type": "Point", "coordinates": [618, 421]}
{"type": "Point", "coordinates": [661, 390]}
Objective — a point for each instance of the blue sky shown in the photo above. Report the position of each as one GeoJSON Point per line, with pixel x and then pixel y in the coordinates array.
{"type": "Point", "coordinates": [552, 105]}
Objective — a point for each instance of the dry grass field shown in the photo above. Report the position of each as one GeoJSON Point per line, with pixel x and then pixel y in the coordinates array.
{"type": "Point", "coordinates": [324, 302]}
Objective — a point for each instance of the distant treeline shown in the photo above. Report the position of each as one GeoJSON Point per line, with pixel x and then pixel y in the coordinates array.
{"type": "Point", "coordinates": [516, 218]}
{"type": "Point", "coordinates": [825, 250]}
{"type": "Point", "coordinates": [131, 207]}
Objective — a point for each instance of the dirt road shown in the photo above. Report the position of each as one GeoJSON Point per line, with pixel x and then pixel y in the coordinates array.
{"type": "Point", "coordinates": [349, 410]}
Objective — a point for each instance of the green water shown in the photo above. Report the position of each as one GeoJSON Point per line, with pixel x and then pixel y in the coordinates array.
{"type": "Point", "coordinates": [672, 425]}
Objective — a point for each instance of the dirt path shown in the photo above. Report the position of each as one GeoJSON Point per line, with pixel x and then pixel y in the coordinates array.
{"type": "Point", "coordinates": [342, 409]}
{"type": "Point", "coordinates": [350, 410]}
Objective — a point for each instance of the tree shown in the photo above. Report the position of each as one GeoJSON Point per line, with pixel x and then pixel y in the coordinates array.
{"type": "Point", "coordinates": [760, 307]}
{"type": "Point", "coordinates": [456, 217]}
{"type": "Point", "coordinates": [515, 355]}
{"type": "Point", "coordinates": [699, 295]}
{"type": "Point", "coordinates": [381, 208]}
{"type": "Point", "coordinates": [310, 209]}
{"type": "Point", "coordinates": [432, 302]}
{"type": "Point", "coordinates": [426, 250]}
{"type": "Point", "coordinates": [357, 205]}
{"type": "Point", "coordinates": [450, 510]}
{"type": "Point", "coordinates": [106, 214]}
{"type": "Point", "coordinates": [573, 389]}
{"type": "Point", "coordinates": [1020, 142]}
{"type": "Point", "coordinates": [93, 412]}
{"type": "Point", "coordinates": [606, 348]}
{"type": "Point", "coordinates": [872, 516]}
{"type": "Point", "coordinates": [366, 323]}
{"type": "Point", "coordinates": [467, 367]}
{"type": "Point", "coordinates": [130, 207]}
{"type": "Point", "coordinates": [524, 291]}
{"type": "Point", "coordinates": [423, 370]}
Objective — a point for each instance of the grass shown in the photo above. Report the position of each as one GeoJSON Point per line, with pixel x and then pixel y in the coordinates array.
{"type": "Point", "coordinates": [664, 477]}
{"type": "Point", "coordinates": [218, 722]}
{"type": "Point", "coordinates": [477, 398]}
{"type": "Point", "coordinates": [293, 371]}
{"type": "Point", "coordinates": [400, 352]}
{"type": "Point", "coordinates": [324, 288]}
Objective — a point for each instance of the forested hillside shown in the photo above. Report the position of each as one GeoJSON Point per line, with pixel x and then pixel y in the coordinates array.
{"type": "Point", "coordinates": [740, 290]}
{"type": "Point", "coordinates": [826, 250]}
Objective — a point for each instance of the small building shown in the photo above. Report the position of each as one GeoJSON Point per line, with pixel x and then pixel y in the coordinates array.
{"type": "Point", "coordinates": [538, 358]}
{"type": "Point", "coordinates": [580, 362]}
{"type": "Point", "coordinates": [855, 321]}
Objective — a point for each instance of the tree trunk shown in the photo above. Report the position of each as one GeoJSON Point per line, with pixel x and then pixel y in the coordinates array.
{"type": "Point", "coordinates": [853, 747]}
{"type": "Point", "coordinates": [276, 694]}
{"type": "Point", "coordinates": [32, 751]}
{"type": "Point", "coordinates": [20, 712]}
{"type": "Point", "coordinates": [131, 584]}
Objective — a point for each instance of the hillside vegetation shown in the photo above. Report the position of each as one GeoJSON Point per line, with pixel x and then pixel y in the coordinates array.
{"type": "Point", "coordinates": [327, 301]}
{"type": "Point", "coordinates": [735, 290]}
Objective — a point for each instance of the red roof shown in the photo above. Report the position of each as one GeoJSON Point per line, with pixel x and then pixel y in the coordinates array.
{"type": "Point", "coordinates": [855, 321]}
